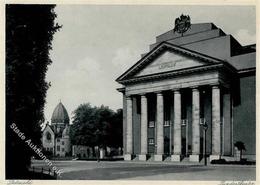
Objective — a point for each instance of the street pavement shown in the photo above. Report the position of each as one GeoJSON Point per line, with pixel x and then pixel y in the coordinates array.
{"type": "Point", "coordinates": [122, 170]}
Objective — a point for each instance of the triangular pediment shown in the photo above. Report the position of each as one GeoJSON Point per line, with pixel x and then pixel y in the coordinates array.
{"type": "Point", "coordinates": [167, 57]}
{"type": "Point", "coordinates": [169, 61]}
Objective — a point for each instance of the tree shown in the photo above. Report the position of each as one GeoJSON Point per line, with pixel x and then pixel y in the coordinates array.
{"type": "Point", "coordinates": [116, 130]}
{"type": "Point", "coordinates": [96, 126]}
{"type": "Point", "coordinates": [29, 32]}
{"type": "Point", "coordinates": [83, 127]}
{"type": "Point", "coordinates": [240, 146]}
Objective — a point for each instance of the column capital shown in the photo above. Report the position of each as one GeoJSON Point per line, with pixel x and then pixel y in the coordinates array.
{"type": "Point", "coordinates": [158, 93]}
{"type": "Point", "coordinates": [143, 94]}
{"type": "Point", "coordinates": [194, 88]}
{"type": "Point", "coordinates": [215, 86]}
{"type": "Point", "coordinates": [176, 91]}
{"type": "Point", "coordinates": [129, 97]}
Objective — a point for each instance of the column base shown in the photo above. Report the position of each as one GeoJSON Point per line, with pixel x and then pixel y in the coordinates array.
{"type": "Point", "coordinates": [128, 157]}
{"type": "Point", "coordinates": [194, 158]}
{"type": "Point", "coordinates": [158, 158]}
{"type": "Point", "coordinates": [176, 158]}
{"type": "Point", "coordinates": [213, 157]}
{"type": "Point", "coordinates": [142, 157]}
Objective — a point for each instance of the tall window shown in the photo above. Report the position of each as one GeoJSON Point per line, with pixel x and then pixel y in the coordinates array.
{"type": "Point", "coordinates": [151, 124]}
{"type": "Point", "coordinates": [48, 136]}
{"type": "Point", "coordinates": [151, 141]}
{"type": "Point", "coordinates": [58, 148]}
{"type": "Point", "coordinates": [166, 123]}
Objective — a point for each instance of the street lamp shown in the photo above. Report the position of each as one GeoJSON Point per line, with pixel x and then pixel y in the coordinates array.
{"type": "Point", "coordinates": [205, 127]}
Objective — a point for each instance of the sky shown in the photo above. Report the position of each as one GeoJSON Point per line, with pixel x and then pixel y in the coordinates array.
{"type": "Point", "coordinates": [97, 43]}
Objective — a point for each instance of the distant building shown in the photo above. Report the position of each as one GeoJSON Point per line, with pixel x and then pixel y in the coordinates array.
{"type": "Point", "coordinates": [201, 76]}
{"type": "Point", "coordinates": [55, 137]}
{"type": "Point", "coordinates": [81, 151]}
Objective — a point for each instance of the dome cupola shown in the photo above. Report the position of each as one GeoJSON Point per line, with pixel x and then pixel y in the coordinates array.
{"type": "Point", "coordinates": [60, 114]}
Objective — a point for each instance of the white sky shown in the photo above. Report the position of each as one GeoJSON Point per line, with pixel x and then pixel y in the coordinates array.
{"type": "Point", "coordinates": [98, 43]}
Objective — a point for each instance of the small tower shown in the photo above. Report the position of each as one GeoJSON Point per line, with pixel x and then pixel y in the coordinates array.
{"type": "Point", "coordinates": [60, 128]}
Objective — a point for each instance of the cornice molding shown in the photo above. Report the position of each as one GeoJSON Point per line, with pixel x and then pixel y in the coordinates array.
{"type": "Point", "coordinates": [247, 71]}
{"type": "Point", "coordinates": [177, 73]}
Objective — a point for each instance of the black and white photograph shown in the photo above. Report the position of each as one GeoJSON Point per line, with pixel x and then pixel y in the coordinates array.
{"type": "Point", "coordinates": [131, 91]}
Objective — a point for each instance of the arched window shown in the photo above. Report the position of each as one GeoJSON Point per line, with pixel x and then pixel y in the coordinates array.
{"type": "Point", "coordinates": [48, 136]}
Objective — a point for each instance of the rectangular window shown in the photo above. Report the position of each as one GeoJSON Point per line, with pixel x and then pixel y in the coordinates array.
{"type": "Point", "coordinates": [58, 148]}
{"type": "Point", "coordinates": [58, 140]}
{"type": "Point", "coordinates": [63, 149]}
{"type": "Point", "coordinates": [166, 123]}
{"type": "Point", "coordinates": [151, 141]}
{"type": "Point", "coordinates": [62, 143]}
{"type": "Point", "coordinates": [151, 124]}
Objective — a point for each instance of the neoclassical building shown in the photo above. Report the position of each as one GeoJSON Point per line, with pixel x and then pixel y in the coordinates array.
{"type": "Point", "coordinates": [186, 81]}
{"type": "Point", "coordinates": [55, 136]}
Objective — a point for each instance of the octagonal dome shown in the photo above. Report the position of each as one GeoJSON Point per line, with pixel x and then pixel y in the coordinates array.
{"type": "Point", "coordinates": [60, 114]}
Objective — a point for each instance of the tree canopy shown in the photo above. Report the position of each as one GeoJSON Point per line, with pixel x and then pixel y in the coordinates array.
{"type": "Point", "coordinates": [29, 33]}
{"type": "Point", "coordinates": [96, 126]}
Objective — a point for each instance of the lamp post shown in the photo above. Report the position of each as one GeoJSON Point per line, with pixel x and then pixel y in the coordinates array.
{"type": "Point", "coordinates": [205, 127]}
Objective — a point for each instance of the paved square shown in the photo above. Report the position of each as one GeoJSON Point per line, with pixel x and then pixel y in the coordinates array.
{"type": "Point", "coordinates": [121, 170]}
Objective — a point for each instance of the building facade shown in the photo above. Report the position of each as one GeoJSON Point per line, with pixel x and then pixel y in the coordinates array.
{"type": "Point", "coordinates": [188, 82]}
{"type": "Point", "coordinates": [55, 136]}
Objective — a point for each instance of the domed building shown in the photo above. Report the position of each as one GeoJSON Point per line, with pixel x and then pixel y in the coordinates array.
{"type": "Point", "coordinates": [55, 136]}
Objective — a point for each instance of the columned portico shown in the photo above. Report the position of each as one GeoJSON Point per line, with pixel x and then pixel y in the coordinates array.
{"type": "Point", "coordinates": [177, 127]}
{"type": "Point", "coordinates": [195, 125]}
{"type": "Point", "coordinates": [216, 123]}
{"type": "Point", "coordinates": [129, 129]}
{"type": "Point", "coordinates": [171, 94]}
{"type": "Point", "coordinates": [159, 130]}
{"type": "Point", "coordinates": [176, 132]}
{"type": "Point", "coordinates": [144, 121]}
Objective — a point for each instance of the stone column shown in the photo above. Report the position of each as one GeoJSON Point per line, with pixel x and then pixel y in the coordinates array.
{"type": "Point", "coordinates": [159, 124]}
{"type": "Point", "coordinates": [129, 129]}
{"type": "Point", "coordinates": [144, 120]}
{"type": "Point", "coordinates": [177, 127]}
{"type": "Point", "coordinates": [195, 125]}
{"type": "Point", "coordinates": [216, 121]}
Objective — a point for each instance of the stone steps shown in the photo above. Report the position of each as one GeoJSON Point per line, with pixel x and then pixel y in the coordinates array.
{"type": "Point", "coordinates": [185, 160]}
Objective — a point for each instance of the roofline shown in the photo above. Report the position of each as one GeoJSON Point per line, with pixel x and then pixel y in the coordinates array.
{"type": "Point", "coordinates": [121, 89]}
{"type": "Point", "coordinates": [49, 126]}
{"type": "Point", "coordinates": [191, 33]}
{"type": "Point", "coordinates": [250, 45]}
{"type": "Point", "coordinates": [172, 46]}
{"type": "Point", "coordinates": [247, 72]}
